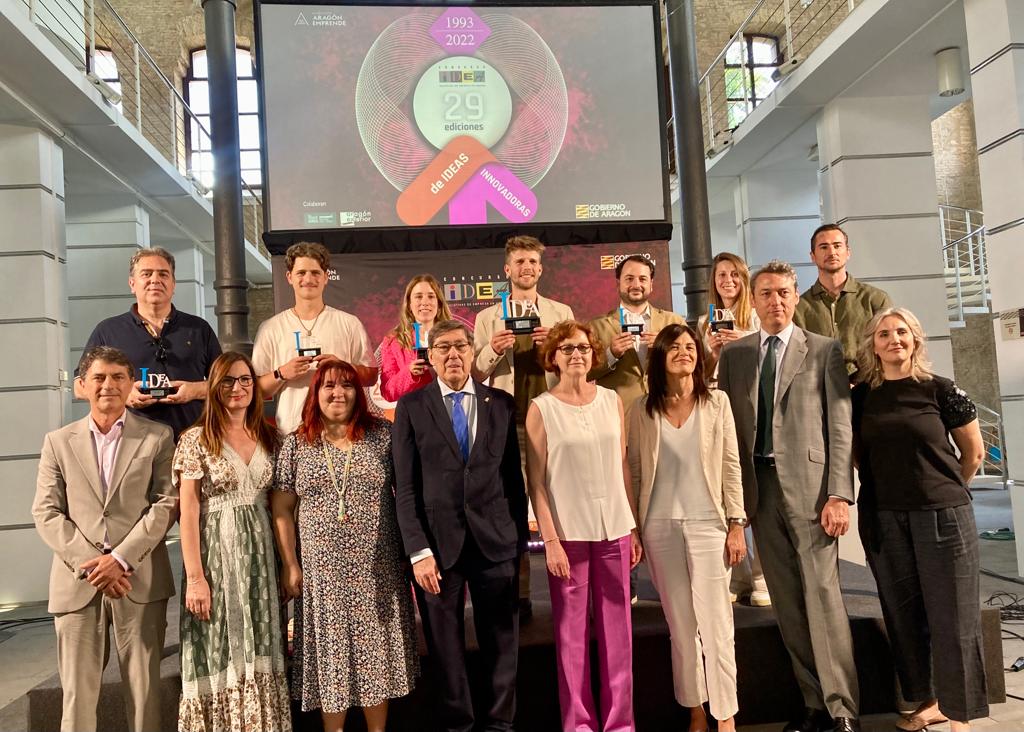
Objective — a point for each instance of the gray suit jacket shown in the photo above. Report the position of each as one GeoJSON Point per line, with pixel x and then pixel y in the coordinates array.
{"type": "Point", "coordinates": [141, 505]}
{"type": "Point", "coordinates": [811, 426]}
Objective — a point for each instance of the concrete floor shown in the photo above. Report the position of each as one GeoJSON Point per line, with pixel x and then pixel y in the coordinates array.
{"type": "Point", "coordinates": [29, 653]}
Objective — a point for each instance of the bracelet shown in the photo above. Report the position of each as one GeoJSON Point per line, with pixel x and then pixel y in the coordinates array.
{"type": "Point", "coordinates": [194, 581]}
{"type": "Point", "coordinates": [547, 541]}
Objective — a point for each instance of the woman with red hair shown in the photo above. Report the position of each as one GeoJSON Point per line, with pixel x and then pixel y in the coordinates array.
{"type": "Point", "coordinates": [355, 643]}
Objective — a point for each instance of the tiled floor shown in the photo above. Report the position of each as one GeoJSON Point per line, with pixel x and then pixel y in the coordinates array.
{"type": "Point", "coordinates": [29, 653]}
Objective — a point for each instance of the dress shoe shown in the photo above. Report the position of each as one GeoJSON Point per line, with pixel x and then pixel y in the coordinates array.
{"type": "Point", "coordinates": [846, 724]}
{"type": "Point", "coordinates": [760, 598]}
{"type": "Point", "coordinates": [812, 720]}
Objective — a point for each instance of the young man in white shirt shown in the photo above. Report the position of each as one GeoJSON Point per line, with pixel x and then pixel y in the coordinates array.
{"type": "Point", "coordinates": [283, 372]}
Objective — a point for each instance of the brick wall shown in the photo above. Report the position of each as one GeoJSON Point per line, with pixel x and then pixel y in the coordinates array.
{"type": "Point", "coordinates": [956, 157]}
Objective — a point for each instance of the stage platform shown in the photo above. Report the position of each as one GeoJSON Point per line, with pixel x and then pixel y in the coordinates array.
{"type": "Point", "coordinates": [767, 689]}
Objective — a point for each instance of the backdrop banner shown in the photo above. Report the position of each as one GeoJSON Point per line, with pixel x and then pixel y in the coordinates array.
{"type": "Point", "coordinates": [370, 286]}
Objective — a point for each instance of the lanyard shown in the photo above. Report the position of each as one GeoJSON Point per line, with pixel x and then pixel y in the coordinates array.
{"type": "Point", "coordinates": [342, 514]}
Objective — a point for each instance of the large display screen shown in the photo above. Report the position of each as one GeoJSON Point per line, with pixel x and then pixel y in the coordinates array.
{"type": "Point", "coordinates": [420, 116]}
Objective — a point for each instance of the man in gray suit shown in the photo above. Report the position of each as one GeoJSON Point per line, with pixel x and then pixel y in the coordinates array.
{"type": "Point", "coordinates": [104, 502]}
{"type": "Point", "coordinates": [791, 401]}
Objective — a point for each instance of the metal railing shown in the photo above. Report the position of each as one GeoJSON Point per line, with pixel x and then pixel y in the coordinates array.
{"type": "Point", "coordinates": [741, 77]}
{"type": "Point", "coordinates": [994, 464]}
{"type": "Point", "coordinates": [95, 38]}
{"type": "Point", "coordinates": [965, 261]}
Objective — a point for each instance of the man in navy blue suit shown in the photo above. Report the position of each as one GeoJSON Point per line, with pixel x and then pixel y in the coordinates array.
{"type": "Point", "coordinates": [462, 513]}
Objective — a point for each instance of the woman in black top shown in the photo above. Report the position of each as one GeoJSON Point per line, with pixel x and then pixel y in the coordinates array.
{"type": "Point", "coordinates": [916, 519]}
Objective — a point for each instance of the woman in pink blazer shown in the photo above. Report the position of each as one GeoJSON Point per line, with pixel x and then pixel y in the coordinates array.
{"type": "Point", "coordinates": [401, 369]}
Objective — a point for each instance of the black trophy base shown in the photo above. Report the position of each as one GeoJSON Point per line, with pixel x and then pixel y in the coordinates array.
{"type": "Point", "coordinates": [522, 326]}
{"type": "Point", "coordinates": [633, 328]}
{"type": "Point", "coordinates": [421, 354]}
{"type": "Point", "coordinates": [161, 392]}
{"type": "Point", "coordinates": [309, 352]}
{"type": "Point", "coordinates": [717, 325]}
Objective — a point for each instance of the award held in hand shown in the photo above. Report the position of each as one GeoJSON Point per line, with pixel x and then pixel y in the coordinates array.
{"type": "Point", "coordinates": [720, 319]}
{"type": "Point", "coordinates": [520, 316]}
{"type": "Point", "coordinates": [630, 322]}
{"type": "Point", "coordinates": [156, 385]}
{"type": "Point", "coordinates": [307, 345]}
{"type": "Point", "coordinates": [417, 343]}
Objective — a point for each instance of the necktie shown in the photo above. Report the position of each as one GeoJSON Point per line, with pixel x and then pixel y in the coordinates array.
{"type": "Point", "coordinates": [460, 423]}
{"type": "Point", "coordinates": [766, 401]}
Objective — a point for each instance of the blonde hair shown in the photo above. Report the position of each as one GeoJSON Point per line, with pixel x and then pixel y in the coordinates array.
{"type": "Point", "coordinates": [741, 309]}
{"type": "Point", "coordinates": [869, 366]}
{"type": "Point", "coordinates": [402, 331]}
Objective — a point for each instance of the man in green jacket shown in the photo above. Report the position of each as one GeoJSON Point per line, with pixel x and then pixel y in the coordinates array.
{"type": "Point", "coordinates": [837, 305]}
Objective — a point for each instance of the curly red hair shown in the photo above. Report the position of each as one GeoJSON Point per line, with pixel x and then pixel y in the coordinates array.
{"type": "Point", "coordinates": [312, 426]}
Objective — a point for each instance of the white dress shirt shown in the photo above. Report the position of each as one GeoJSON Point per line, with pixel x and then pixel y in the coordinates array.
{"type": "Point", "coordinates": [469, 407]}
{"type": "Point", "coordinates": [640, 347]}
{"type": "Point", "coordinates": [106, 446]}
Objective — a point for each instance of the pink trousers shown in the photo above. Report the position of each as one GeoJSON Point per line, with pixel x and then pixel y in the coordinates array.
{"type": "Point", "coordinates": [598, 582]}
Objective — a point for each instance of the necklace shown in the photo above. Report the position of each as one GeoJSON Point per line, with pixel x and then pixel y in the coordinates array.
{"type": "Point", "coordinates": [340, 490]}
{"type": "Point", "coordinates": [309, 330]}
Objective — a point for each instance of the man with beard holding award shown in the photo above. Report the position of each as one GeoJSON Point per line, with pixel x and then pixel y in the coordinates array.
{"type": "Point", "coordinates": [506, 357]}
{"type": "Point", "coordinates": [462, 514]}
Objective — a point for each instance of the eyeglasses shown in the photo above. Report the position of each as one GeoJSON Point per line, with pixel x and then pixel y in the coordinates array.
{"type": "Point", "coordinates": [583, 348]}
{"type": "Point", "coordinates": [162, 348]}
{"type": "Point", "coordinates": [228, 382]}
{"type": "Point", "coordinates": [445, 348]}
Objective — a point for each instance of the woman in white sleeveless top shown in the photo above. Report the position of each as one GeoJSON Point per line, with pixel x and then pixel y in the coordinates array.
{"type": "Point", "coordinates": [577, 476]}
{"type": "Point", "coordinates": [685, 472]}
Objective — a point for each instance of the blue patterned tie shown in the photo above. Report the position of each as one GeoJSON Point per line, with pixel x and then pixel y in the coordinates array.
{"type": "Point", "coordinates": [460, 423]}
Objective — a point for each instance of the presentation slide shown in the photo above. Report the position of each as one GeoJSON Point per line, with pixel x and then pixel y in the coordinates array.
{"type": "Point", "coordinates": [385, 116]}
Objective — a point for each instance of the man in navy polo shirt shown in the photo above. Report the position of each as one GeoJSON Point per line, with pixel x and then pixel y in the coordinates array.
{"type": "Point", "coordinates": [162, 340]}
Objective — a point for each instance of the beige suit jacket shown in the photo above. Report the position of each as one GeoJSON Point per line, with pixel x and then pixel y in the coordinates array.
{"type": "Point", "coordinates": [73, 516]}
{"type": "Point", "coordinates": [719, 456]}
{"type": "Point", "coordinates": [628, 377]}
{"type": "Point", "coordinates": [811, 428]}
{"type": "Point", "coordinates": [498, 370]}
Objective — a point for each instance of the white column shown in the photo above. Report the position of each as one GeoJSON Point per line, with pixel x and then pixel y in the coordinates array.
{"type": "Point", "coordinates": [776, 212]}
{"type": "Point", "coordinates": [34, 392]}
{"type": "Point", "coordinates": [878, 182]}
{"type": "Point", "coordinates": [995, 32]}
{"type": "Point", "coordinates": [103, 233]}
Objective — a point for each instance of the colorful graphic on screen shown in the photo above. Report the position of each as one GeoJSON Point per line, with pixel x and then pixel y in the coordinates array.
{"type": "Point", "coordinates": [403, 116]}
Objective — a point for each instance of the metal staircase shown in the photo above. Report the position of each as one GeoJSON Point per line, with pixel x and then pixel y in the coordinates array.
{"type": "Point", "coordinates": [965, 263]}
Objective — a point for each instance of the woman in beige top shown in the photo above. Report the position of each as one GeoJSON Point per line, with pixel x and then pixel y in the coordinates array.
{"type": "Point", "coordinates": [685, 472]}
{"type": "Point", "coordinates": [577, 476]}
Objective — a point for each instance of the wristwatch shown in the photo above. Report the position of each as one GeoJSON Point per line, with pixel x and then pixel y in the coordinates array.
{"type": "Point", "coordinates": [277, 375]}
{"type": "Point", "coordinates": [738, 521]}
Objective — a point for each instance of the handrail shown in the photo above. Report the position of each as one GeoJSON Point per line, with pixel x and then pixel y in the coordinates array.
{"type": "Point", "coordinates": [996, 420]}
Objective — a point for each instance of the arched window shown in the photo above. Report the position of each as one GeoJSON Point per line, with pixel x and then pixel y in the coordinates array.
{"type": "Point", "coordinates": [749, 64]}
{"type": "Point", "coordinates": [197, 94]}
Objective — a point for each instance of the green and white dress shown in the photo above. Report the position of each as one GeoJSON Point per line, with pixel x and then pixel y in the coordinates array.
{"type": "Point", "coordinates": [232, 666]}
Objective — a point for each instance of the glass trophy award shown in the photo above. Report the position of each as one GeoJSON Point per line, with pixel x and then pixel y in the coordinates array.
{"type": "Point", "coordinates": [720, 319]}
{"type": "Point", "coordinates": [156, 385]}
{"type": "Point", "coordinates": [627, 325]}
{"type": "Point", "coordinates": [307, 345]}
{"type": "Point", "coordinates": [520, 316]}
{"type": "Point", "coordinates": [417, 343]}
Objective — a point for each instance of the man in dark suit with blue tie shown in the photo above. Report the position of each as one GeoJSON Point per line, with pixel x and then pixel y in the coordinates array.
{"type": "Point", "coordinates": [462, 513]}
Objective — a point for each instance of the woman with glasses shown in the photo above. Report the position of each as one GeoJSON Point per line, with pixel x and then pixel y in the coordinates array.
{"type": "Point", "coordinates": [401, 368]}
{"type": "Point", "coordinates": [355, 633]}
{"type": "Point", "coordinates": [232, 658]}
{"type": "Point", "coordinates": [685, 467]}
{"type": "Point", "coordinates": [577, 476]}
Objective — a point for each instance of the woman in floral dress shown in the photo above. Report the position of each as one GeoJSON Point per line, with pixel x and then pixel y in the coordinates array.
{"type": "Point", "coordinates": [355, 642]}
{"type": "Point", "coordinates": [232, 658]}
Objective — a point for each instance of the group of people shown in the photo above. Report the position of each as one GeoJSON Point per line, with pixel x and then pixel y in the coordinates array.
{"type": "Point", "coordinates": [634, 437]}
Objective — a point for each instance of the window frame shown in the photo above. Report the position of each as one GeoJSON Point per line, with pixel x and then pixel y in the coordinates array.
{"type": "Point", "coordinates": [190, 152]}
{"type": "Point", "coordinates": [748, 67]}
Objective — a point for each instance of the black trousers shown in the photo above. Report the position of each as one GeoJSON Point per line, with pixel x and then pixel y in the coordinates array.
{"type": "Point", "coordinates": [493, 588]}
{"type": "Point", "coordinates": [926, 566]}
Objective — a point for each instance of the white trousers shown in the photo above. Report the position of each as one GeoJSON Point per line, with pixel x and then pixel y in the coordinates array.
{"type": "Point", "coordinates": [687, 562]}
